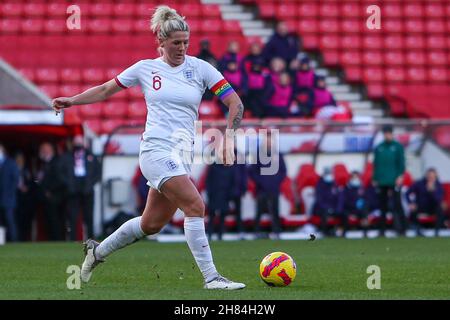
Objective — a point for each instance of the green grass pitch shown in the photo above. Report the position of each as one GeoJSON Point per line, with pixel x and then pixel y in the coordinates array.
{"type": "Point", "coordinates": [416, 268]}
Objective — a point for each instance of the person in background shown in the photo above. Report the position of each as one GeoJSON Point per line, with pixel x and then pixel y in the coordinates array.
{"type": "Point", "coordinates": [329, 200]}
{"type": "Point", "coordinates": [304, 75]}
{"type": "Point", "coordinates": [236, 77]}
{"type": "Point", "coordinates": [389, 167]}
{"type": "Point", "coordinates": [206, 54]}
{"type": "Point", "coordinates": [219, 185]}
{"type": "Point", "coordinates": [277, 67]}
{"type": "Point", "coordinates": [268, 186]}
{"type": "Point", "coordinates": [50, 191]}
{"type": "Point", "coordinates": [303, 103]}
{"type": "Point", "coordinates": [282, 44]}
{"type": "Point", "coordinates": [240, 181]}
{"type": "Point", "coordinates": [258, 84]}
{"type": "Point", "coordinates": [426, 196]}
{"type": "Point", "coordinates": [279, 97]}
{"type": "Point", "coordinates": [26, 200]}
{"type": "Point", "coordinates": [254, 57]}
{"type": "Point", "coordinates": [81, 171]}
{"type": "Point", "coordinates": [9, 180]}
{"type": "Point", "coordinates": [232, 54]}
{"type": "Point", "coordinates": [141, 187]}
{"type": "Point", "coordinates": [322, 96]}
{"type": "Point", "coordinates": [355, 202]}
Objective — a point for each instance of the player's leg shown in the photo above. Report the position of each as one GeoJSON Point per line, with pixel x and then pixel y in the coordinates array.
{"type": "Point", "coordinates": [158, 212]}
{"type": "Point", "coordinates": [182, 192]}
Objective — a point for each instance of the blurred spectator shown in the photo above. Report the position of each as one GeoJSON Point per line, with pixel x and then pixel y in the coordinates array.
{"type": "Point", "coordinates": [81, 171]}
{"type": "Point", "coordinates": [426, 196]}
{"type": "Point", "coordinates": [206, 54]}
{"type": "Point", "coordinates": [279, 97]}
{"type": "Point", "coordinates": [50, 192]}
{"type": "Point", "coordinates": [254, 57]}
{"type": "Point", "coordinates": [277, 67]}
{"type": "Point", "coordinates": [219, 185]}
{"type": "Point", "coordinates": [268, 185]}
{"type": "Point", "coordinates": [389, 167]}
{"type": "Point", "coordinates": [258, 83]}
{"type": "Point", "coordinates": [236, 77]}
{"type": "Point", "coordinates": [304, 76]}
{"type": "Point", "coordinates": [232, 54]}
{"type": "Point", "coordinates": [322, 97]}
{"type": "Point", "coordinates": [25, 210]}
{"type": "Point", "coordinates": [329, 200]}
{"type": "Point", "coordinates": [282, 44]}
{"type": "Point", "coordinates": [303, 103]}
{"type": "Point", "coordinates": [355, 202]}
{"type": "Point", "coordinates": [9, 180]}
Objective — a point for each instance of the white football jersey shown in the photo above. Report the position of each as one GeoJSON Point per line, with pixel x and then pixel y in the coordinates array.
{"type": "Point", "coordinates": [172, 95]}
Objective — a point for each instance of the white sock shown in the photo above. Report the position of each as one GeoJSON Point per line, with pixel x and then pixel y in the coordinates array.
{"type": "Point", "coordinates": [127, 234]}
{"type": "Point", "coordinates": [194, 230]}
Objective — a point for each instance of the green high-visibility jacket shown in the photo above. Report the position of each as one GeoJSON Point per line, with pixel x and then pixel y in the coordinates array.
{"type": "Point", "coordinates": [389, 163]}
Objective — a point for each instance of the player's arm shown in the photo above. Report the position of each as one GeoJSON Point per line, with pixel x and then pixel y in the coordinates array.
{"type": "Point", "coordinates": [92, 95]}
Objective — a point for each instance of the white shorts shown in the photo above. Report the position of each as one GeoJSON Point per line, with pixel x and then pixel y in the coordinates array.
{"type": "Point", "coordinates": [160, 164]}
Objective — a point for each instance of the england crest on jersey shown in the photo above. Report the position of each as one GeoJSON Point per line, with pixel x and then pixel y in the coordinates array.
{"type": "Point", "coordinates": [188, 74]}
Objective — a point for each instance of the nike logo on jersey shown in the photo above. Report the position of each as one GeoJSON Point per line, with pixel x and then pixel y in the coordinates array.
{"type": "Point", "coordinates": [153, 72]}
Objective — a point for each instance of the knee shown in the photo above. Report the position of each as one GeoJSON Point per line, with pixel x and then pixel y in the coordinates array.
{"type": "Point", "coordinates": [195, 209]}
{"type": "Point", "coordinates": [151, 228]}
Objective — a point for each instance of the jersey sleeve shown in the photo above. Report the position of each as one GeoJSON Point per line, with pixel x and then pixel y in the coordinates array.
{"type": "Point", "coordinates": [129, 77]}
{"type": "Point", "coordinates": [215, 81]}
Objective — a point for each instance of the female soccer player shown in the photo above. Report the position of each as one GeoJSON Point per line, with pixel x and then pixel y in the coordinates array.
{"type": "Point", "coordinates": [173, 85]}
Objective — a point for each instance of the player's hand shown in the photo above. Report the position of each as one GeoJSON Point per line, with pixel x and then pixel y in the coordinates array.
{"type": "Point", "coordinates": [61, 103]}
{"type": "Point", "coordinates": [226, 150]}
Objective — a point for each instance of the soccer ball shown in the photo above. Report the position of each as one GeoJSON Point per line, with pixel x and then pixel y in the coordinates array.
{"type": "Point", "coordinates": [278, 269]}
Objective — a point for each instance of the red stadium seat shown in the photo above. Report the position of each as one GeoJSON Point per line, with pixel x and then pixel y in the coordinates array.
{"type": "Point", "coordinates": [209, 110]}
{"type": "Point", "coordinates": [141, 26]}
{"type": "Point", "coordinates": [69, 90]}
{"type": "Point", "coordinates": [125, 10]}
{"type": "Point", "coordinates": [231, 27]}
{"type": "Point", "coordinates": [394, 74]}
{"type": "Point", "coordinates": [329, 9]}
{"type": "Point", "coordinates": [413, 10]}
{"type": "Point", "coordinates": [434, 10]}
{"type": "Point", "coordinates": [99, 26]}
{"type": "Point", "coordinates": [414, 26]}
{"type": "Point", "coordinates": [57, 10]}
{"type": "Point", "coordinates": [414, 42]}
{"type": "Point", "coordinates": [28, 73]}
{"type": "Point", "coordinates": [329, 42]}
{"type": "Point", "coordinates": [373, 42]}
{"type": "Point", "coordinates": [310, 42]}
{"type": "Point", "coordinates": [70, 75]}
{"type": "Point", "coordinates": [47, 75]}
{"type": "Point", "coordinates": [91, 111]}
{"type": "Point", "coordinates": [122, 25]}
{"type": "Point", "coordinates": [415, 58]}
{"type": "Point", "coordinates": [351, 26]}
{"type": "Point", "coordinates": [94, 124]}
{"type": "Point", "coordinates": [341, 174]}
{"type": "Point", "coordinates": [93, 75]}
{"type": "Point", "coordinates": [329, 26]}
{"type": "Point", "coordinates": [350, 58]}
{"type": "Point", "coordinates": [372, 57]}
{"type": "Point", "coordinates": [137, 110]}
{"type": "Point", "coordinates": [193, 10]}
{"type": "Point", "coordinates": [436, 42]}
{"type": "Point", "coordinates": [394, 58]}
{"type": "Point", "coordinates": [394, 41]}
{"type": "Point", "coordinates": [30, 26]}
{"type": "Point", "coordinates": [308, 9]}
{"type": "Point", "coordinates": [351, 9]}
{"type": "Point", "coordinates": [100, 9]}
{"type": "Point", "coordinates": [393, 26]}
{"type": "Point", "coordinates": [33, 9]}
{"type": "Point", "coordinates": [211, 26]}
{"type": "Point", "coordinates": [435, 26]}
{"type": "Point", "coordinates": [438, 58]}
{"type": "Point", "coordinates": [437, 74]}
{"type": "Point", "coordinates": [306, 177]}
{"type": "Point", "coordinates": [375, 91]}
{"type": "Point", "coordinates": [267, 10]}
{"type": "Point", "coordinates": [55, 26]}
{"type": "Point", "coordinates": [308, 26]}
{"type": "Point", "coordinates": [331, 57]}
{"type": "Point", "coordinates": [286, 11]}
{"type": "Point", "coordinates": [351, 41]}
{"type": "Point", "coordinates": [144, 10]}
{"type": "Point", "coordinates": [11, 9]}
{"type": "Point", "coordinates": [51, 90]}
{"type": "Point", "coordinates": [416, 74]}
{"type": "Point", "coordinates": [373, 74]}
{"type": "Point", "coordinates": [115, 109]}
{"type": "Point", "coordinates": [210, 11]}
{"type": "Point", "coordinates": [353, 74]}
{"type": "Point", "coordinates": [392, 10]}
